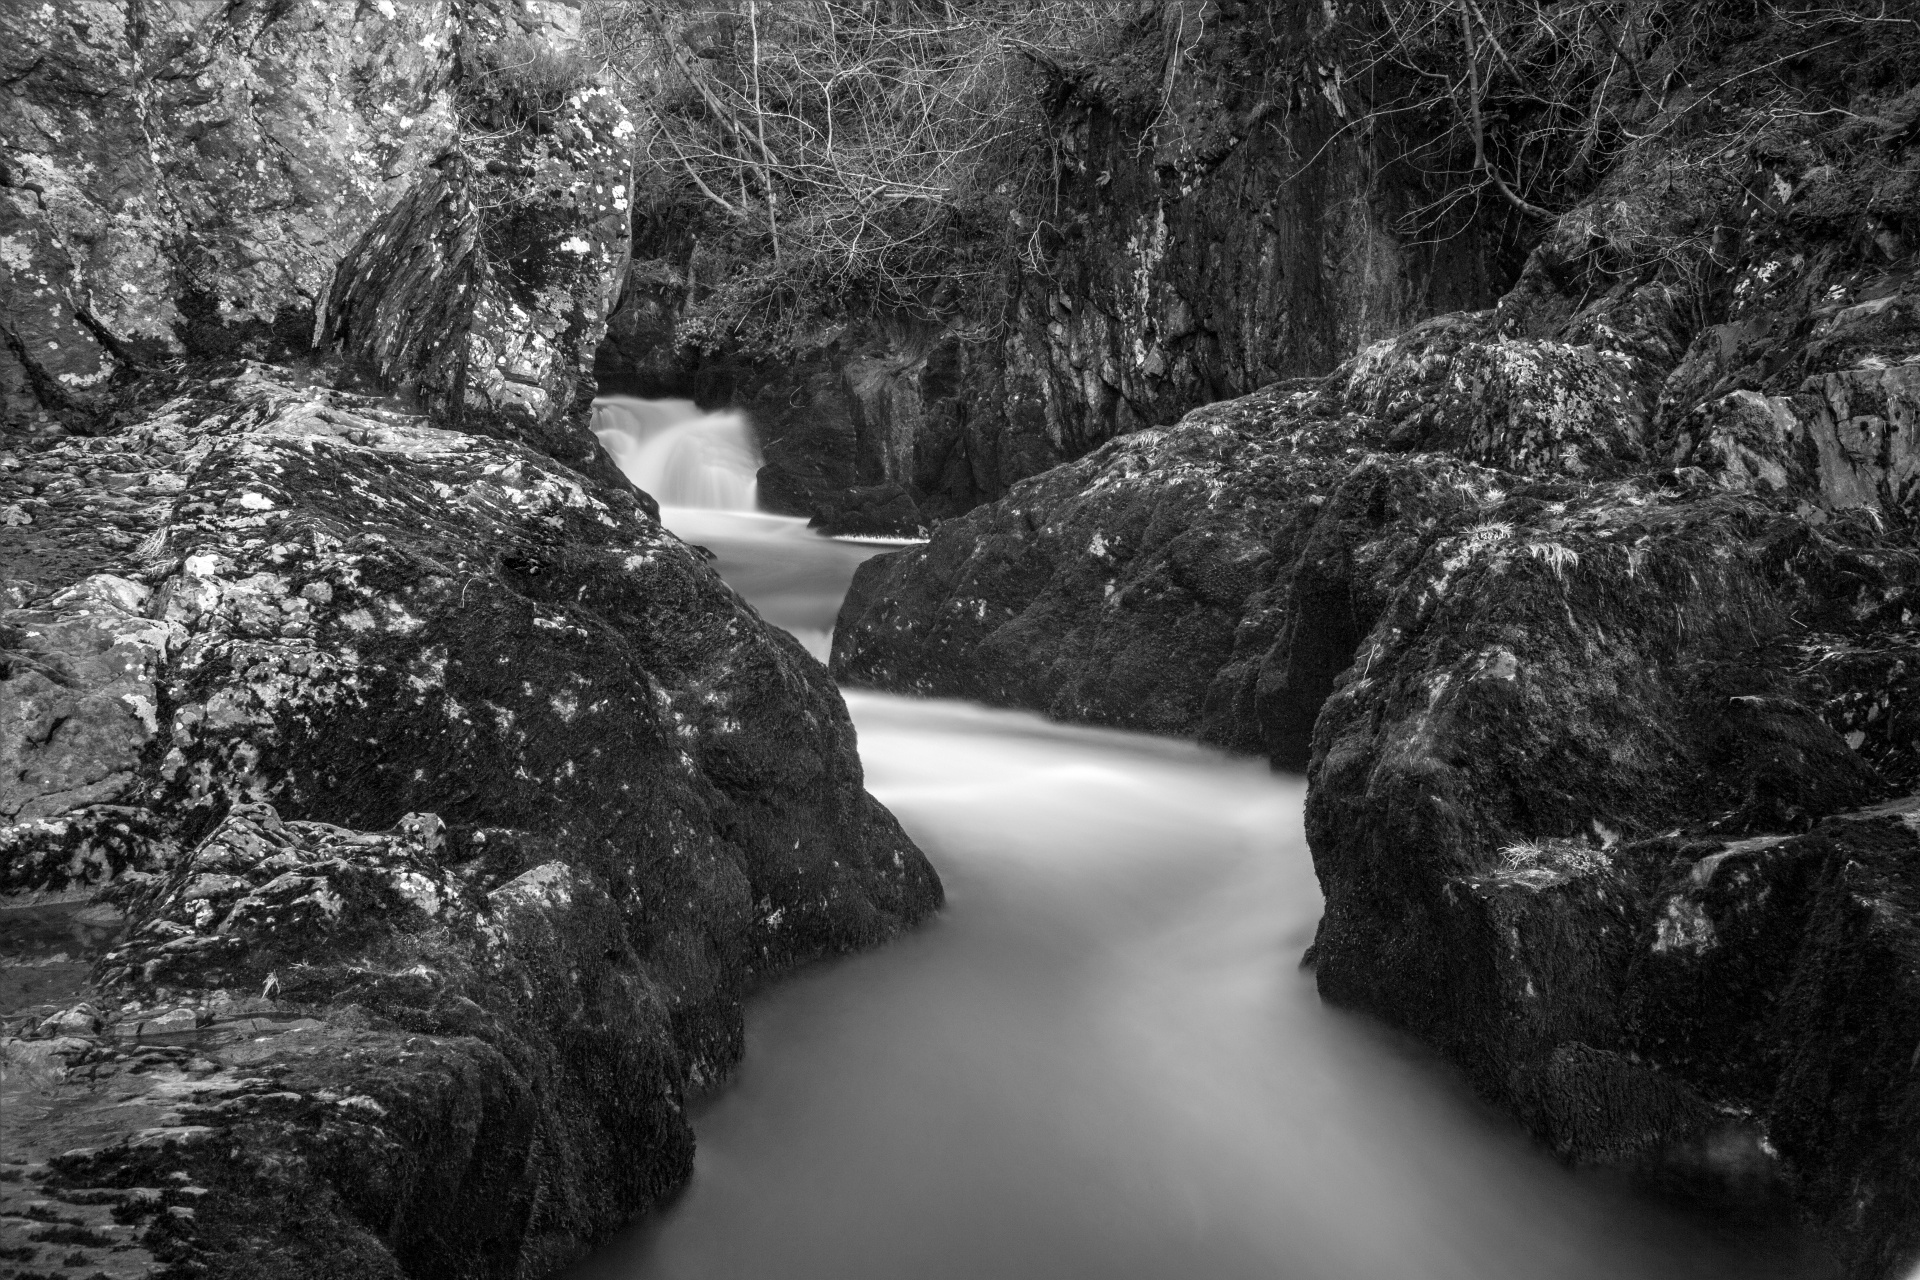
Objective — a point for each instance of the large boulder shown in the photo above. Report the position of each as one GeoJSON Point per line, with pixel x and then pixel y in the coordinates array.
{"type": "Point", "coordinates": [439, 787]}
{"type": "Point", "coordinates": [482, 292]}
{"type": "Point", "coordinates": [393, 815]}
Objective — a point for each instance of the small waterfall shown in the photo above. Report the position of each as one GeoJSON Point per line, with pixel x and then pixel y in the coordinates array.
{"type": "Point", "coordinates": [700, 468]}
{"type": "Point", "coordinates": [683, 457]}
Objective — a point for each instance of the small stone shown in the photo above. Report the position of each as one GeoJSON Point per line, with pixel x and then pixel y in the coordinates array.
{"type": "Point", "coordinates": [80, 1020]}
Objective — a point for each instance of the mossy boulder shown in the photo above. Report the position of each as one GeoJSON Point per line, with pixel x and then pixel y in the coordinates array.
{"type": "Point", "coordinates": [444, 807]}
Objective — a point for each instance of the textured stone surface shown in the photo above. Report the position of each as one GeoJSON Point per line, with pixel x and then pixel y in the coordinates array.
{"type": "Point", "coordinates": [82, 704]}
{"type": "Point", "coordinates": [180, 177]}
{"type": "Point", "coordinates": [392, 816]}
{"type": "Point", "coordinates": [484, 290]}
{"type": "Point", "coordinates": [182, 182]}
{"type": "Point", "coordinates": [439, 808]}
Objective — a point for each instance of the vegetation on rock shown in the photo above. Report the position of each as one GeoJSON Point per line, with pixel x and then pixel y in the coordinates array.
{"type": "Point", "coordinates": [845, 156]}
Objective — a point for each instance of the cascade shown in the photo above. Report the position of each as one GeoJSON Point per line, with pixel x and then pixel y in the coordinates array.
{"type": "Point", "coordinates": [683, 457]}
{"type": "Point", "coordinates": [700, 468]}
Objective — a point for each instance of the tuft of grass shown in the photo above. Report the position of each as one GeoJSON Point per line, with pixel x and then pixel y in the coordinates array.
{"type": "Point", "coordinates": [1553, 857]}
{"type": "Point", "coordinates": [1558, 557]}
{"type": "Point", "coordinates": [528, 78]}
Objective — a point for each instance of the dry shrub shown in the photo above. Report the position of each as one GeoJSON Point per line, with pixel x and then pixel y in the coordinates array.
{"type": "Point", "coordinates": [855, 152]}
{"type": "Point", "coordinates": [1662, 105]}
{"type": "Point", "coordinates": [843, 155]}
{"type": "Point", "coordinates": [526, 79]}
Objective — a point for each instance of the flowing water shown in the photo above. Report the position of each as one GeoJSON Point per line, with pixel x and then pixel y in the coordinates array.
{"type": "Point", "coordinates": [1101, 1060]}
{"type": "Point", "coordinates": [700, 468]}
{"type": "Point", "coordinates": [681, 456]}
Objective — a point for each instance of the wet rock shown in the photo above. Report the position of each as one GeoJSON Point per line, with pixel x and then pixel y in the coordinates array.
{"type": "Point", "coordinates": [81, 1020]}
{"type": "Point", "coordinates": [1455, 383]}
{"type": "Point", "coordinates": [1849, 439]}
{"type": "Point", "coordinates": [882, 510]}
{"type": "Point", "coordinates": [1745, 1018]}
{"type": "Point", "coordinates": [483, 290]}
{"type": "Point", "coordinates": [421, 808]}
{"type": "Point", "coordinates": [452, 804]}
{"type": "Point", "coordinates": [80, 704]}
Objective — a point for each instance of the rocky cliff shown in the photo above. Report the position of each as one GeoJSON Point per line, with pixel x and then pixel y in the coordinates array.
{"type": "Point", "coordinates": [1208, 217]}
{"type": "Point", "coordinates": [1592, 618]}
{"type": "Point", "coordinates": [392, 814]}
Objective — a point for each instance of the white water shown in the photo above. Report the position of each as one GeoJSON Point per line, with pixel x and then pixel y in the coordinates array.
{"type": "Point", "coordinates": [701, 469]}
{"type": "Point", "coordinates": [1101, 1061]}
{"type": "Point", "coordinates": [683, 457]}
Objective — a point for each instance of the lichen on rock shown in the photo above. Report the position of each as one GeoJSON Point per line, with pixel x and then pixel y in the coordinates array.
{"type": "Point", "coordinates": [468, 773]}
{"type": "Point", "coordinates": [483, 290]}
{"type": "Point", "coordinates": [179, 178]}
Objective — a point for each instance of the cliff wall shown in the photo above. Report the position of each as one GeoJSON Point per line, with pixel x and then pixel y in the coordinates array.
{"type": "Point", "coordinates": [1213, 215]}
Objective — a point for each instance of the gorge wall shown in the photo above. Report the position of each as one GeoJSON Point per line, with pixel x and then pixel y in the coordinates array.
{"type": "Point", "coordinates": [1214, 215]}
{"type": "Point", "coordinates": [393, 815]}
{"type": "Point", "coordinates": [1591, 617]}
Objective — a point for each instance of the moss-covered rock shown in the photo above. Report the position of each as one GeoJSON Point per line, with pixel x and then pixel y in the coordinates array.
{"type": "Point", "coordinates": [392, 815]}
{"type": "Point", "coordinates": [473, 782]}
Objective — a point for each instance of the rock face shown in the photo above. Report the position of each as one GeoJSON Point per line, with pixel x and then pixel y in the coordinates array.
{"type": "Point", "coordinates": [185, 182]}
{"type": "Point", "coordinates": [180, 179]}
{"type": "Point", "coordinates": [393, 815]}
{"type": "Point", "coordinates": [473, 783]}
{"type": "Point", "coordinates": [483, 290]}
{"type": "Point", "coordinates": [1592, 618]}
{"type": "Point", "coordinates": [1210, 227]}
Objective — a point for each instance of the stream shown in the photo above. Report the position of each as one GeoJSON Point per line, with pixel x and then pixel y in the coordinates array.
{"type": "Point", "coordinates": [1101, 1060]}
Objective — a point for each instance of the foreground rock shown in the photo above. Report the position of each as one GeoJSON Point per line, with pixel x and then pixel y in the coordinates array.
{"type": "Point", "coordinates": [440, 807]}
{"type": "Point", "coordinates": [392, 814]}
